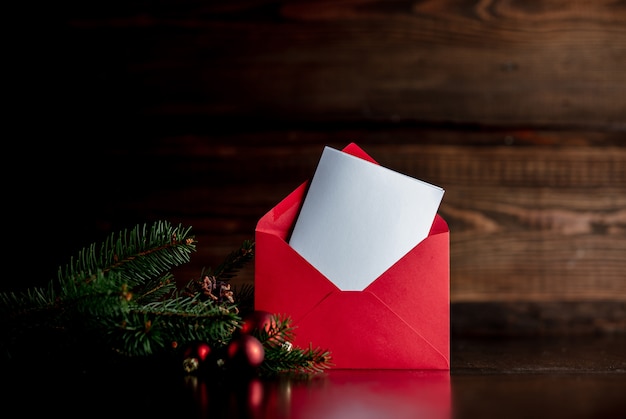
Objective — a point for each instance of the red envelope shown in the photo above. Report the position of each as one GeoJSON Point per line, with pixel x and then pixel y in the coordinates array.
{"type": "Point", "coordinates": [399, 321]}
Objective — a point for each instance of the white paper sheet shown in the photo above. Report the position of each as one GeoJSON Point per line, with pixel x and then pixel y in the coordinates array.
{"type": "Point", "coordinates": [358, 218]}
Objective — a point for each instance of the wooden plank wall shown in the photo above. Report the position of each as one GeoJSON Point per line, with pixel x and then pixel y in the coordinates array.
{"type": "Point", "coordinates": [208, 113]}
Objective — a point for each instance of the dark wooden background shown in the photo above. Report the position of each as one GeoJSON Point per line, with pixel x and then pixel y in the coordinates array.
{"type": "Point", "coordinates": [207, 113]}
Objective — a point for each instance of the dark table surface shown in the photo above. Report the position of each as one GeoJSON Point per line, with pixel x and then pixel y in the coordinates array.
{"type": "Point", "coordinates": [552, 377]}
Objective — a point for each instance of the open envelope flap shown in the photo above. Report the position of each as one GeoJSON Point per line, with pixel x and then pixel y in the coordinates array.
{"type": "Point", "coordinates": [280, 219]}
{"type": "Point", "coordinates": [362, 332]}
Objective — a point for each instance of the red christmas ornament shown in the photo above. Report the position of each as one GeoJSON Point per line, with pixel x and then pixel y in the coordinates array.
{"type": "Point", "coordinates": [245, 352]}
{"type": "Point", "coordinates": [196, 356]}
{"type": "Point", "coordinates": [258, 320]}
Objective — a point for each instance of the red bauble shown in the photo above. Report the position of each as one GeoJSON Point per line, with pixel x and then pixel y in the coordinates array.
{"type": "Point", "coordinates": [258, 320]}
{"type": "Point", "coordinates": [245, 352]}
{"type": "Point", "coordinates": [196, 357]}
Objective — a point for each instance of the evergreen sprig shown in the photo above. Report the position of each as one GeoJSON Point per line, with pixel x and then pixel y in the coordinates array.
{"type": "Point", "coordinates": [107, 294]}
{"type": "Point", "coordinates": [282, 358]}
{"type": "Point", "coordinates": [121, 298]}
{"type": "Point", "coordinates": [234, 262]}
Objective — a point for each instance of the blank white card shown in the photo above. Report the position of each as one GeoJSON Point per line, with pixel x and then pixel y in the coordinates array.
{"type": "Point", "coordinates": [359, 218]}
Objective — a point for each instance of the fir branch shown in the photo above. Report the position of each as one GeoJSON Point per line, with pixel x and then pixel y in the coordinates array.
{"type": "Point", "coordinates": [159, 327]}
{"type": "Point", "coordinates": [296, 362]}
{"type": "Point", "coordinates": [234, 262]}
{"type": "Point", "coordinates": [282, 358]}
{"type": "Point", "coordinates": [211, 281]}
{"type": "Point", "coordinates": [179, 320]}
{"type": "Point", "coordinates": [99, 289]}
{"type": "Point", "coordinates": [15, 304]}
{"type": "Point", "coordinates": [138, 254]}
{"type": "Point", "coordinates": [120, 298]}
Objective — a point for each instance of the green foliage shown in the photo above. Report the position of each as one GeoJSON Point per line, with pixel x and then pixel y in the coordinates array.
{"type": "Point", "coordinates": [281, 357]}
{"type": "Point", "coordinates": [121, 298]}
{"type": "Point", "coordinates": [114, 294]}
{"type": "Point", "coordinates": [235, 261]}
